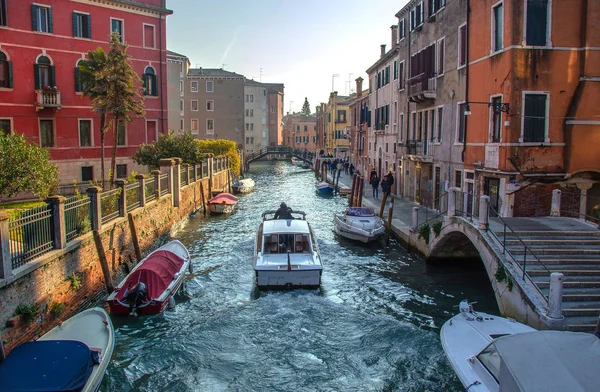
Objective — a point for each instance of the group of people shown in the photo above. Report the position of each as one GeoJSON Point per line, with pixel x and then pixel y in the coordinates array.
{"type": "Point", "coordinates": [386, 183]}
{"type": "Point", "coordinates": [339, 165]}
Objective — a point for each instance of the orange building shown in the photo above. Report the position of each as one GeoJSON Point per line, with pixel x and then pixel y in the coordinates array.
{"type": "Point", "coordinates": [532, 122]}
{"type": "Point", "coordinates": [300, 131]}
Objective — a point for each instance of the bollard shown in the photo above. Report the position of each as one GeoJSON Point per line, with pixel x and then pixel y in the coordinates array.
{"type": "Point", "coordinates": [555, 208]}
{"type": "Point", "coordinates": [382, 207]}
{"type": "Point", "coordinates": [415, 218]}
{"type": "Point", "coordinates": [452, 201]}
{"type": "Point", "coordinates": [484, 211]}
{"type": "Point", "coordinates": [555, 295]}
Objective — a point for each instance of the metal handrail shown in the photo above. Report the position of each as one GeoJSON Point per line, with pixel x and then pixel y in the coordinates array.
{"type": "Point", "coordinates": [429, 206]}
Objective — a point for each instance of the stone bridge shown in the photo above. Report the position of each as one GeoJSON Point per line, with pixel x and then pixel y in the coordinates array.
{"type": "Point", "coordinates": [277, 151]}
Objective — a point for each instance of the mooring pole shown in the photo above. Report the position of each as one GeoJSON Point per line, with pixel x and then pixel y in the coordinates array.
{"type": "Point", "coordinates": [352, 191]}
{"type": "Point", "coordinates": [389, 220]}
{"type": "Point", "coordinates": [337, 181]}
{"type": "Point", "coordinates": [382, 207]}
{"type": "Point", "coordinates": [2, 352]}
{"type": "Point", "coordinates": [103, 262]}
{"type": "Point", "coordinates": [202, 193]}
{"type": "Point", "coordinates": [229, 180]}
{"type": "Point", "coordinates": [134, 237]}
{"type": "Point", "coordinates": [361, 184]}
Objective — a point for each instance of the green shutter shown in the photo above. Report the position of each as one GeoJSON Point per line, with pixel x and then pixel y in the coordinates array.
{"type": "Point", "coordinates": [50, 30]}
{"type": "Point", "coordinates": [144, 80]}
{"type": "Point", "coordinates": [89, 26]}
{"type": "Point", "coordinates": [154, 85]}
{"type": "Point", "coordinates": [10, 74]}
{"type": "Point", "coordinates": [36, 76]}
{"type": "Point", "coordinates": [52, 76]}
{"type": "Point", "coordinates": [75, 29]}
{"type": "Point", "coordinates": [34, 17]}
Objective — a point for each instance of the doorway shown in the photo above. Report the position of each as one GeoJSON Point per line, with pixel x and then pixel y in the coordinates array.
{"type": "Point", "coordinates": [492, 189]}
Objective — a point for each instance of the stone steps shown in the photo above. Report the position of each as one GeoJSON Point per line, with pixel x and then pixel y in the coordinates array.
{"type": "Point", "coordinates": [554, 250]}
{"type": "Point", "coordinates": [572, 284]}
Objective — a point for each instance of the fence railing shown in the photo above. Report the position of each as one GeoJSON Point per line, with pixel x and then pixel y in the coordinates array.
{"type": "Point", "coordinates": [183, 174]}
{"type": "Point", "coordinates": [132, 194]}
{"type": "Point", "coordinates": [433, 210]}
{"type": "Point", "coordinates": [109, 205]}
{"type": "Point", "coordinates": [164, 184]}
{"type": "Point", "coordinates": [150, 189]}
{"type": "Point", "coordinates": [30, 235]}
{"type": "Point", "coordinates": [77, 216]}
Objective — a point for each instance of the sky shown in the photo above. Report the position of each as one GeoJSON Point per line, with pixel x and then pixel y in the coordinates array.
{"type": "Point", "coordinates": [300, 43]}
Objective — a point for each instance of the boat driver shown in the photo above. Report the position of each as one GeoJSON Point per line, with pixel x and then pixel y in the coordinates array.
{"type": "Point", "coordinates": [284, 212]}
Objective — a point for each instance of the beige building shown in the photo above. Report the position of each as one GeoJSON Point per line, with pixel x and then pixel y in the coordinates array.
{"type": "Point", "coordinates": [337, 125]}
{"type": "Point", "coordinates": [177, 69]}
{"type": "Point", "coordinates": [263, 109]}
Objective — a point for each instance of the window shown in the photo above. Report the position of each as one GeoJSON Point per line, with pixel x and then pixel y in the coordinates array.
{"type": "Point", "coordinates": [440, 117]}
{"type": "Point", "coordinates": [87, 173]}
{"type": "Point", "coordinates": [47, 133]}
{"type": "Point", "coordinates": [79, 85]}
{"type": "Point", "coordinates": [6, 78]}
{"type": "Point", "coordinates": [5, 127]}
{"type": "Point", "coordinates": [460, 134]}
{"type": "Point", "coordinates": [85, 133]}
{"type": "Point", "coordinates": [401, 72]}
{"type": "Point", "coordinates": [537, 30]}
{"type": "Point", "coordinates": [416, 16]}
{"type": "Point", "coordinates": [210, 126]}
{"type": "Point", "coordinates": [121, 133]}
{"type": "Point", "coordinates": [121, 171]}
{"type": "Point", "coordinates": [458, 179]}
{"type": "Point", "coordinates": [149, 36]}
{"type": "Point", "coordinates": [210, 86]}
{"type": "Point", "coordinates": [496, 119]}
{"type": "Point", "coordinates": [401, 30]}
{"type": "Point", "coordinates": [414, 125]}
{"type": "Point", "coordinates": [82, 25]}
{"type": "Point", "coordinates": [441, 56]}
{"type": "Point", "coordinates": [435, 6]}
{"type": "Point", "coordinates": [251, 98]}
{"type": "Point", "coordinates": [150, 82]}
{"type": "Point", "coordinates": [432, 112]}
{"type": "Point", "coordinates": [305, 128]}
{"type": "Point", "coordinates": [497, 27]}
{"type": "Point", "coordinates": [251, 112]}
{"type": "Point", "coordinates": [401, 127]}
{"type": "Point", "coordinates": [210, 105]}
{"type": "Point", "coordinates": [181, 105]}
{"type": "Point", "coordinates": [247, 126]}
{"type": "Point", "coordinates": [395, 69]}
{"type": "Point", "coordinates": [194, 86]}
{"type": "Point", "coordinates": [534, 121]}
{"type": "Point", "coordinates": [194, 125]}
{"type": "Point", "coordinates": [462, 45]}
{"type": "Point", "coordinates": [341, 116]}
{"type": "Point", "coordinates": [181, 88]}
{"type": "Point", "coordinates": [43, 73]}
{"type": "Point", "coordinates": [181, 125]}
{"type": "Point", "coordinates": [3, 13]}
{"type": "Point", "coordinates": [41, 19]}
{"type": "Point", "coordinates": [194, 105]}
{"type": "Point", "coordinates": [117, 25]}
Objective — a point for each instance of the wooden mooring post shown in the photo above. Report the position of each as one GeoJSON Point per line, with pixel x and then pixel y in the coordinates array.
{"type": "Point", "coordinates": [2, 352]}
{"type": "Point", "coordinates": [389, 220]}
{"type": "Point", "coordinates": [229, 177]}
{"type": "Point", "coordinates": [352, 191]}
{"type": "Point", "coordinates": [103, 262]}
{"type": "Point", "coordinates": [203, 199]}
{"type": "Point", "coordinates": [361, 184]}
{"type": "Point", "coordinates": [337, 181]}
{"type": "Point", "coordinates": [382, 207]}
{"type": "Point", "coordinates": [134, 237]}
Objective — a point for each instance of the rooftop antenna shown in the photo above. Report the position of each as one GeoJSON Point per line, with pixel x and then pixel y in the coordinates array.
{"type": "Point", "coordinates": [333, 81]}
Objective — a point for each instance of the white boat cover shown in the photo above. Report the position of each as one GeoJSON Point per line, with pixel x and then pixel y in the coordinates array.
{"type": "Point", "coordinates": [547, 361]}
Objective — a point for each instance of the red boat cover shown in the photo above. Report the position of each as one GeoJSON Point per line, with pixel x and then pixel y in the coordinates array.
{"type": "Point", "coordinates": [224, 198]}
{"type": "Point", "coordinates": [157, 273]}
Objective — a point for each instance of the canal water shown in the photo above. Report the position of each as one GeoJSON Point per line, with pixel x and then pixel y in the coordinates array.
{"type": "Point", "coordinates": [373, 326]}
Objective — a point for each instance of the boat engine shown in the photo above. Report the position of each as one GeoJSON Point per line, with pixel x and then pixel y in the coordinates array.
{"type": "Point", "coordinates": [135, 296]}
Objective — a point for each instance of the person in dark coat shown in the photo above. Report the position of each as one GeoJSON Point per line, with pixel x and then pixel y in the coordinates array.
{"type": "Point", "coordinates": [373, 174]}
{"type": "Point", "coordinates": [385, 187]}
{"type": "Point", "coordinates": [390, 180]}
{"type": "Point", "coordinates": [283, 212]}
{"type": "Point", "coordinates": [351, 169]}
{"type": "Point", "coordinates": [375, 184]}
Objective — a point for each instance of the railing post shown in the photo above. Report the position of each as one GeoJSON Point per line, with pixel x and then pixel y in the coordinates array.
{"type": "Point", "coordinates": [142, 184]}
{"type": "Point", "coordinates": [415, 218]}
{"type": "Point", "coordinates": [5, 259]}
{"type": "Point", "coordinates": [484, 212]}
{"type": "Point", "coordinates": [57, 209]}
{"type": "Point", "coordinates": [176, 182]}
{"type": "Point", "coordinates": [121, 184]}
{"type": "Point", "coordinates": [211, 162]}
{"type": "Point", "coordinates": [156, 174]}
{"type": "Point", "coordinates": [555, 295]}
{"type": "Point", "coordinates": [95, 207]}
{"type": "Point", "coordinates": [555, 208]}
{"type": "Point", "coordinates": [452, 201]}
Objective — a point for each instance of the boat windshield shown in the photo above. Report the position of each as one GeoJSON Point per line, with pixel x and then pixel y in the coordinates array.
{"type": "Point", "coordinates": [286, 243]}
{"type": "Point", "coordinates": [360, 211]}
{"type": "Point", "coordinates": [490, 359]}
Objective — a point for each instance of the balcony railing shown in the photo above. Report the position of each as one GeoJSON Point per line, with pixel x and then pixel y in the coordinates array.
{"type": "Point", "coordinates": [421, 88]}
{"type": "Point", "coordinates": [47, 99]}
{"type": "Point", "coordinates": [419, 147]}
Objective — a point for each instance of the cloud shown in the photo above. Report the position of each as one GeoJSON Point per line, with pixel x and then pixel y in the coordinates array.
{"type": "Point", "coordinates": [231, 43]}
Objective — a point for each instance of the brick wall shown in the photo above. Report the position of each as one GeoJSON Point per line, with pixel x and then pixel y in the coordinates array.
{"type": "Point", "coordinates": [50, 282]}
{"type": "Point", "coordinates": [536, 200]}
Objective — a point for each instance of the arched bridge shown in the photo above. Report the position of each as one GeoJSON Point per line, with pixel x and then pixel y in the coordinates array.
{"type": "Point", "coordinates": [303, 155]}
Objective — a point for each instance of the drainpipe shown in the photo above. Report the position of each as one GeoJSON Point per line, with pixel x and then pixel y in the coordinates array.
{"type": "Point", "coordinates": [162, 71]}
{"type": "Point", "coordinates": [467, 81]}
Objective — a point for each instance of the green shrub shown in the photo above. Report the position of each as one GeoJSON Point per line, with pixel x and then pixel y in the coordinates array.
{"type": "Point", "coordinates": [500, 273]}
{"type": "Point", "coordinates": [28, 312]}
{"type": "Point", "coordinates": [437, 228]}
{"type": "Point", "coordinates": [57, 308]}
{"type": "Point", "coordinates": [75, 281]}
{"type": "Point", "coordinates": [424, 231]}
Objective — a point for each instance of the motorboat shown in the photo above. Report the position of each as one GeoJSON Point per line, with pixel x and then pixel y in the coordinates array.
{"type": "Point", "coordinates": [286, 254]}
{"type": "Point", "coordinates": [243, 186]}
{"type": "Point", "coordinates": [223, 203]}
{"type": "Point", "coordinates": [295, 161]}
{"type": "Point", "coordinates": [150, 286]}
{"type": "Point", "coordinates": [359, 223]}
{"type": "Point", "coordinates": [324, 187]}
{"type": "Point", "coordinates": [72, 356]}
{"type": "Point", "coordinates": [305, 165]}
{"type": "Point", "coordinates": [492, 353]}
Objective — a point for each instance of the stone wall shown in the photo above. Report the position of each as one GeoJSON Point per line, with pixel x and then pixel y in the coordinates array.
{"type": "Point", "coordinates": [535, 200]}
{"type": "Point", "coordinates": [73, 278]}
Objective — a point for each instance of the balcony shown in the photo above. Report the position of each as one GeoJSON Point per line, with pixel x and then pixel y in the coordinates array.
{"type": "Point", "coordinates": [421, 88]}
{"type": "Point", "coordinates": [47, 99]}
{"type": "Point", "coordinates": [420, 150]}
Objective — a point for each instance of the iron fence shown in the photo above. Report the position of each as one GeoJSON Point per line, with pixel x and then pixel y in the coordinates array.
{"type": "Point", "coordinates": [77, 216]}
{"type": "Point", "coordinates": [432, 211]}
{"type": "Point", "coordinates": [164, 184]}
{"type": "Point", "coordinates": [465, 205]}
{"type": "Point", "coordinates": [109, 205]}
{"type": "Point", "coordinates": [132, 196]}
{"type": "Point", "coordinates": [204, 171]}
{"type": "Point", "coordinates": [184, 175]}
{"type": "Point", "coordinates": [150, 189]}
{"type": "Point", "coordinates": [30, 235]}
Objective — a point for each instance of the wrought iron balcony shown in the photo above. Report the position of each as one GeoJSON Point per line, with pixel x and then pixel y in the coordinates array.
{"type": "Point", "coordinates": [420, 148]}
{"type": "Point", "coordinates": [421, 88]}
{"type": "Point", "coordinates": [47, 98]}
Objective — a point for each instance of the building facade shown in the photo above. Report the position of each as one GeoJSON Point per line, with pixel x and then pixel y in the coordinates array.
{"type": "Point", "coordinates": [275, 114]}
{"type": "Point", "coordinates": [177, 69]}
{"type": "Point", "coordinates": [301, 131]}
{"type": "Point", "coordinates": [337, 127]}
{"type": "Point", "coordinates": [255, 116]}
{"type": "Point", "coordinates": [360, 116]}
{"type": "Point", "coordinates": [41, 44]}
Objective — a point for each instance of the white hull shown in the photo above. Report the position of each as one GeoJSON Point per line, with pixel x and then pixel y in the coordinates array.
{"type": "Point", "coordinates": [282, 278]}
{"type": "Point", "coordinates": [221, 208]}
{"type": "Point", "coordinates": [352, 230]}
{"type": "Point", "coordinates": [94, 328]}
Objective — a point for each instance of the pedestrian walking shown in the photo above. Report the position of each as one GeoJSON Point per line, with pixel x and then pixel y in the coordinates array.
{"type": "Point", "coordinates": [373, 174]}
{"type": "Point", "coordinates": [390, 180]}
{"type": "Point", "coordinates": [375, 185]}
{"type": "Point", "coordinates": [351, 169]}
{"type": "Point", "coordinates": [385, 187]}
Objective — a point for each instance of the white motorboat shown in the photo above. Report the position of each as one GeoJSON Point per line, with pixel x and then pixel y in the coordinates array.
{"type": "Point", "coordinates": [359, 223]}
{"type": "Point", "coordinates": [73, 356]}
{"type": "Point", "coordinates": [286, 253]}
{"type": "Point", "coordinates": [245, 185]}
{"type": "Point", "coordinates": [492, 353]}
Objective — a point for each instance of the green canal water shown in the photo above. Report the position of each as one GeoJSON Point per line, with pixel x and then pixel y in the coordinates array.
{"type": "Point", "coordinates": [373, 326]}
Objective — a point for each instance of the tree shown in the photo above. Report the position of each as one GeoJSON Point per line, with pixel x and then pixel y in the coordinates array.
{"type": "Point", "coordinates": [179, 145]}
{"type": "Point", "coordinates": [224, 147]}
{"type": "Point", "coordinates": [26, 168]}
{"type": "Point", "coordinates": [305, 108]}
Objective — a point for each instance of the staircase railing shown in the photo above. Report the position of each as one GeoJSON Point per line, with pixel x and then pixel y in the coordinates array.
{"type": "Point", "coordinates": [435, 212]}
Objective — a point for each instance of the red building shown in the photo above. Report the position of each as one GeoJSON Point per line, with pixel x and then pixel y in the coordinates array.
{"type": "Point", "coordinates": [41, 43]}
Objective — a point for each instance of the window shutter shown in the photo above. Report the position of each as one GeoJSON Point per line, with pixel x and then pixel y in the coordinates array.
{"type": "Point", "coordinates": [36, 76]}
{"type": "Point", "coordinates": [52, 76]}
{"type": "Point", "coordinates": [77, 82]}
{"type": "Point", "coordinates": [89, 26]}
{"type": "Point", "coordinates": [75, 29]}
{"type": "Point", "coordinates": [10, 74]}
{"type": "Point", "coordinates": [50, 30]}
{"type": "Point", "coordinates": [145, 84]}
{"type": "Point", "coordinates": [154, 86]}
{"type": "Point", "coordinates": [34, 17]}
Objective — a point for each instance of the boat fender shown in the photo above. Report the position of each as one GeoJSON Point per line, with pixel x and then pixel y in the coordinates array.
{"type": "Point", "coordinates": [171, 302]}
{"type": "Point", "coordinates": [191, 268]}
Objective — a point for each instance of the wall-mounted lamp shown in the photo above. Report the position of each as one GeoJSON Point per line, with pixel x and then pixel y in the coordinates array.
{"type": "Point", "coordinates": [499, 106]}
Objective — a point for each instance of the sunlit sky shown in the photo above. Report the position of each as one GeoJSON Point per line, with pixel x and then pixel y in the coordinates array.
{"type": "Point", "coordinates": [300, 43]}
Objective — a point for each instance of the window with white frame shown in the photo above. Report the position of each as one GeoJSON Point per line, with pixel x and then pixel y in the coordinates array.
{"type": "Point", "coordinates": [121, 133]}
{"type": "Point", "coordinates": [401, 127]}
{"type": "Point", "coordinates": [85, 133]}
{"type": "Point", "coordinates": [440, 116]}
{"type": "Point", "coordinates": [537, 14]}
{"type": "Point", "coordinates": [41, 18]}
{"type": "Point", "coordinates": [497, 27]}
{"type": "Point", "coordinates": [495, 120]}
{"type": "Point", "coordinates": [401, 30]}
{"type": "Point", "coordinates": [210, 105]}
{"type": "Point", "coordinates": [210, 86]}
{"type": "Point", "coordinates": [441, 56]}
{"type": "Point", "coordinates": [181, 105]}
{"type": "Point", "coordinates": [210, 126]}
{"type": "Point", "coordinates": [194, 105]}
{"type": "Point", "coordinates": [194, 125]}
{"type": "Point", "coordinates": [150, 82]}
{"type": "Point", "coordinates": [194, 86]}
{"type": "Point", "coordinates": [462, 45]}
{"type": "Point", "coordinates": [401, 72]}
{"type": "Point", "coordinates": [117, 25]}
{"type": "Point", "coordinates": [149, 36]}
{"type": "Point", "coordinates": [416, 16]}
{"type": "Point", "coordinates": [87, 173]}
{"type": "Point", "coordinates": [6, 74]}
{"type": "Point", "coordinates": [535, 123]}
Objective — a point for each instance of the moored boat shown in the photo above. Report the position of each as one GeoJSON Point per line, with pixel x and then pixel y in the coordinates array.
{"type": "Point", "coordinates": [286, 254]}
{"type": "Point", "coordinates": [324, 187]}
{"type": "Point", "coordinates": [73, 356]}
{"type": "Point", "coordinates": [295, 161]}
{"type": "Point", "coordinates": [492, 353]}
{"type": "Point", "coordinates": [243, 186]}
{"type": "Point", "coordinates": [153, 282]}
{"type": "Point", "coordinates": [223, 203]}
{"type": "Point", "coordinates": [359, 223]}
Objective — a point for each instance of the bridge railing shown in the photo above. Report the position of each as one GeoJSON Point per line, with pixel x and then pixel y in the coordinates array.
{"type": "Point", "coordinates": [431, 211]}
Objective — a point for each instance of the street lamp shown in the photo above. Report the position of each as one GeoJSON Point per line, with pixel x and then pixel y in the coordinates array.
{"type": "Point", "coordinates": [499, 106]}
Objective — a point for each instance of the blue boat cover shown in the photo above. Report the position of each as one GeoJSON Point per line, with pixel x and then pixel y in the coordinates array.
{"type": "Point", "coordinates": [47, 365]}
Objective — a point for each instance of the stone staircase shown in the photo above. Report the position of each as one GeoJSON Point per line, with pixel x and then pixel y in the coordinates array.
{"type": "Point", "coordinates": [574, 252]}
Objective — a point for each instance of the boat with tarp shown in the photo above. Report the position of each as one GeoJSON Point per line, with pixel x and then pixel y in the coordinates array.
{"type": "Point", "coordinates": [359, 223]}
{"type": "Point", "coordinates": [223, 203]}
{"type": "Point", "coordinates": [324, 188]}
{"type": "Point", "coordinates": [153, 282]}
{"type": "Point", "coordinates": [245, 185]}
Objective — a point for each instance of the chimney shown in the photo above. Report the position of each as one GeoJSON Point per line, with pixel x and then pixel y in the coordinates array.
{"type": "Point", "coordinates": [382, 50]}
{"type": "Point", "coordinates": [394, 35]}
{"type": "Point", "coordinates": [359, 81]}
